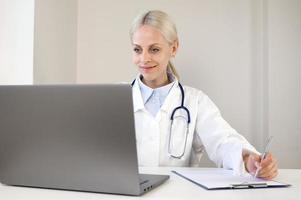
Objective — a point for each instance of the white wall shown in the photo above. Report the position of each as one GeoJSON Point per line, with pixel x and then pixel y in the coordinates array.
{"type": "Point", "coordinates": [55, 41]}
{"type": "Point", "coordinates": [103, 41]}
{"type": "Point", "coordinates": [16, 41]}
{"type": "Point", "coordinates": [284, 70]}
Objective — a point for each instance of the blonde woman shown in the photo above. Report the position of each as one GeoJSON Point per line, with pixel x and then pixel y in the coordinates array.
{"type": "Point", "coordinates": [175, 124]}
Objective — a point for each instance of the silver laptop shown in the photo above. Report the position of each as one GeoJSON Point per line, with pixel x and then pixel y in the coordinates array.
{"type": "Point", "coordinates": [73, 137]}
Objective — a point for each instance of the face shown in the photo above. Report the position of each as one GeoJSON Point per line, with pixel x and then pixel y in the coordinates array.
{"type": "Point", "coordinates": [151, 54]}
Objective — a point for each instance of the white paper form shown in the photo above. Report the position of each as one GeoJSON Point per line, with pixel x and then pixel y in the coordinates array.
{"type": "Point", "coordinates": [218, 178]}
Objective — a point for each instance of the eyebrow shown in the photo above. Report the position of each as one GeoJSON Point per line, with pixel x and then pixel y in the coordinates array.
{"type": "Point", "coordinates": [149, 45]}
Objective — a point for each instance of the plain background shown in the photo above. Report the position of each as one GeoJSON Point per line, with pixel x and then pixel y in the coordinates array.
{"type": "Point", "coordinates": [16, 41]}
{"type": "Point", "coordinates": [244, 54]}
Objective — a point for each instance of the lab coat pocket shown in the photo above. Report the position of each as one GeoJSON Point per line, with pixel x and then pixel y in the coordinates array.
{"type": "Point", "coordinates": [197, 152]}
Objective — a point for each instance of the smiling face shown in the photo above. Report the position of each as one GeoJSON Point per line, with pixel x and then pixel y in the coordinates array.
{"type": "Point", "coordinates": [151, 54]}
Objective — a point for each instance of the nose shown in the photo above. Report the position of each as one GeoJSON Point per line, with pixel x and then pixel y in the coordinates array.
{"type": "Point", "coordinates": [145, 57]}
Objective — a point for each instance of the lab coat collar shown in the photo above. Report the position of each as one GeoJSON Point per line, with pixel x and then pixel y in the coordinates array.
{"type": "Point", "coordinates": [137, 96]}
{"type": "Point", "coordinates": [170, 100]}
{"type": "Point", "coordinates": [146, 92]}
{"type": "Point", "coordinates": [173, 98]}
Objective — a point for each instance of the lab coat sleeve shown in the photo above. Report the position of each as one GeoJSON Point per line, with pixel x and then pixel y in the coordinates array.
{"type": "Point", "coordinates": [222, 143]}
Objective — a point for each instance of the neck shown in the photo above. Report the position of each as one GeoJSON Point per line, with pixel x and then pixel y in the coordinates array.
{"type": "Point", "coordinates": [157, 82]}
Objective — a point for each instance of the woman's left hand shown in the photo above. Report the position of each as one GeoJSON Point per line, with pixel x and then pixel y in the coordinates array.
{"type": "Point", "coordinates": [267, 167]}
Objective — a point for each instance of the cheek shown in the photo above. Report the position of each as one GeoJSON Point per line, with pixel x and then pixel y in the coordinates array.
{"type": "Point", "coordinates": [135, 59]}
{"type": "Point", "coordinates": [163, 59]}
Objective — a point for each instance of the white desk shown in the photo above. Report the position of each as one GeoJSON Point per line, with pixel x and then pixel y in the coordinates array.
{"type": "Point", "coordinates": [175, 188]}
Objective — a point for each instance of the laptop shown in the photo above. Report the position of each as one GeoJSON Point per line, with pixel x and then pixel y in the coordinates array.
{"type": "Point", "coordinates": [71, 137]}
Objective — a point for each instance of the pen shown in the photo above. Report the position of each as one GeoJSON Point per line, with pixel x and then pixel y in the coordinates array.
{"type": "Point", "coordinates": [266, 149]}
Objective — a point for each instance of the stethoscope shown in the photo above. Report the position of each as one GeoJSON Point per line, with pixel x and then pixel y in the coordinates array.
{"type": "Point", "coordinates": [181, 107]}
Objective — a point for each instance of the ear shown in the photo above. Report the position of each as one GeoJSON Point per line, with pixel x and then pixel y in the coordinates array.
{"type": "Point", "coordinates": [174, 47]}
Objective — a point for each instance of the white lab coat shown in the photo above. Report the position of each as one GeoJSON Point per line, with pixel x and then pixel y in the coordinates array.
{"type": "Point", "coordinates": [207, 131]}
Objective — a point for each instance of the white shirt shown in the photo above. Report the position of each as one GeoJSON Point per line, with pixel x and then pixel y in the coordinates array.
{"type": "Point", "coordinates": [153, 99]}
{"type": "Point", "coordinates": [207, 131]}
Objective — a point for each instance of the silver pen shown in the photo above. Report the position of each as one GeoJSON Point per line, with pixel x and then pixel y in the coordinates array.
{"type": "Point", "coordinates": [266, 149]}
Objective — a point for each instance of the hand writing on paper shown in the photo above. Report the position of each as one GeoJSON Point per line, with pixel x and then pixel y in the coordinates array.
{"type": "Point", "coordinates": [267, 167]}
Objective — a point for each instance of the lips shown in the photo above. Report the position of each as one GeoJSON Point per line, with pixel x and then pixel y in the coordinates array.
{"type": "Point", "coordinates": [147, 69]}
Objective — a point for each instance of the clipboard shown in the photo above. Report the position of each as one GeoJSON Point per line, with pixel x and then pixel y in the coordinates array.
{"type": "Point", "coordinates": [218, 179]}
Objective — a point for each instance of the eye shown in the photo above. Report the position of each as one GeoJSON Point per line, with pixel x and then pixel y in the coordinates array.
{"type": "Point", "coordinates": [155, 50]}
{"type": "Point", "coordinates": [137, 50]}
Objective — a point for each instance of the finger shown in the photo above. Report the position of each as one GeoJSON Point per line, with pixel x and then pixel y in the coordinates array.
{"type": "Point", "coordinates": [267, 161]}
{"type": "Point", "coordinates": [271, 175]}
{"type": "Point", "coordinates": [255, 157]}
{"type": "Point", "coordinates": [268, 158]}
{"type": "Point", "coordinates": [251, 163]}
{"type": "Point", "coordinates": [257, 167]}
{"type": "Point", "coordinates": [268, 166]}
{"type": "Point", "coordinates": [267, 170]}
{"type": "Point", "coordinates": [255, 160]}
{"type": "Point", "coordinates": [274, 174]}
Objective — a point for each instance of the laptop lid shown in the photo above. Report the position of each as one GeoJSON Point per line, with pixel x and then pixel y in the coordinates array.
{"type": "Point", "coordinates": [78, 137]}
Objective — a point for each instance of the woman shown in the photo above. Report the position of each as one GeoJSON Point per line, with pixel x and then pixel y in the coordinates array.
{"type": "Point", "coordinates": [175, 123]}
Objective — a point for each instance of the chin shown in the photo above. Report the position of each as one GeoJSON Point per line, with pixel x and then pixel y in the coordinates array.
{"type": "Point", "coordinates": [149, 77]}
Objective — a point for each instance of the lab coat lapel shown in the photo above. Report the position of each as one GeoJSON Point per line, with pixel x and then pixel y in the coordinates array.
{"type": "Point", "coordinates": [173, 99]}
{"type": "Point", "coordinates": [137, 97]}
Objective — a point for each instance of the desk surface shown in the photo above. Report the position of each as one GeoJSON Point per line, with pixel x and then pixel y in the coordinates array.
{"type": "Point", "coordinates": [175, 188]}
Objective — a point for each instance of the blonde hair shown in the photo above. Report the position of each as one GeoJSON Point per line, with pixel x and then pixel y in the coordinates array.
{"type": "Point", "coordinates": [162, 22]}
